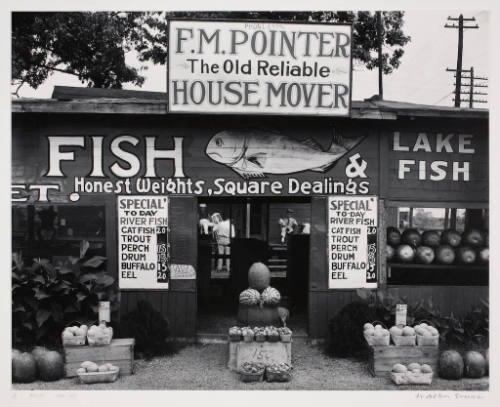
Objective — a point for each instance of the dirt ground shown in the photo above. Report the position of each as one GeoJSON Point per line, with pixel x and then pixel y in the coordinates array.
{"type": "Point", "coordinates": [203, 367]}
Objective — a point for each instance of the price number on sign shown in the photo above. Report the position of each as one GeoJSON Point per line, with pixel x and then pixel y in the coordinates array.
{"type": "Point", "coordinates": [163, 272]}
{"type": "Point", "coordinates": [371, 272]}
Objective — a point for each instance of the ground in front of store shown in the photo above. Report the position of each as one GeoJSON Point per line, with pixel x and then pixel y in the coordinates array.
{"type": "Point", "coordinates": [203, 367]}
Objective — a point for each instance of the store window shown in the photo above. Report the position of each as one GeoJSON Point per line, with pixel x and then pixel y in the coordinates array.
{"type": "Point", "coordinates": [50, 231]}
{"type": "Point", "coordinates": [440, 246]}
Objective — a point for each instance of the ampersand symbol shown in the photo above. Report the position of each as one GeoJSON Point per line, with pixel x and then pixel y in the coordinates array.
{"type": "Point", "coordinates": [357, 167]}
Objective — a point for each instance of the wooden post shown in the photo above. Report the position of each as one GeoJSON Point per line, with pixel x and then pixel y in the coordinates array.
{"type": "Point", "coordinates": [458, 85]}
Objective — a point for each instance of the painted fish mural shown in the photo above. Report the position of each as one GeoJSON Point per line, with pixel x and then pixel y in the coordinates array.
{"type": "Point", "coordinates": [255, 153]}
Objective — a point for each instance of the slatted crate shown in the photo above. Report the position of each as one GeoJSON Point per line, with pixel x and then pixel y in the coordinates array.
{"type": "Point", "coordinates": [382, 358]}
{"type": "Point", "coordinates": [120, 352]}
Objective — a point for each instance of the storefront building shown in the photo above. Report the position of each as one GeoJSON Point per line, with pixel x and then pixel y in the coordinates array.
{"type": "Point", "coordinates": [180, 205]}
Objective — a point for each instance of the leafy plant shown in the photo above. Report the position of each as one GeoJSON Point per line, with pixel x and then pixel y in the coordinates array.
{"type": "Point", "coordinates": [46, 298]}
{"type": "Point", "coordinates": [346, 329]}
{"type": "Point", "coordinates": [149, 328]}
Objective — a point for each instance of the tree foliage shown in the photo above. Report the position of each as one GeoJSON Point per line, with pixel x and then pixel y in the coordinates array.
{"type": "Point", "coordinates": [92, 45]}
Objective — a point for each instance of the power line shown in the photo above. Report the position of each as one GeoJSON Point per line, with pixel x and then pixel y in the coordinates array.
{"type": "Point", "coordinates": [444, 97]}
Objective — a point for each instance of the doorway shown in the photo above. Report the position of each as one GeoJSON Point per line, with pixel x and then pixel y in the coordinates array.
{"type": "Point", "coordinates": [235, 233]}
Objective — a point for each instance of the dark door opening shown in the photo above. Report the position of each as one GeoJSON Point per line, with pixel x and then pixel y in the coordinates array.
{"type": "Point", "coordinates": [235, 233]}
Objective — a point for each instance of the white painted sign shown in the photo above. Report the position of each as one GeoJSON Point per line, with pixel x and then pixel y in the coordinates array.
{"type": "Point", "coordinates": [182, 272]}
{"type": "Point", "coordinates": [352, 241]}
{"type": "Point", "coordinates": [143, 247]}
{"type": "Point", "coordinates": [259, 67]}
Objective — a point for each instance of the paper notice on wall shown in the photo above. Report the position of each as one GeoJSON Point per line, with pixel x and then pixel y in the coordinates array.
{"type": "Point", "coordinates": [401, 310]}
{"type": "Point", "coordinates": [143, 246]}
{"type": "Point", "coordinates": [352, 242]}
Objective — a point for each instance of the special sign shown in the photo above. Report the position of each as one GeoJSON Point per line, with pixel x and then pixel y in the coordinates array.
{"type": "Point", "coordinates": [352, 242]}
{"type": "Point", "coordinates": [143, 248]}
{"type": "Point", "coordinates": [256, 67]}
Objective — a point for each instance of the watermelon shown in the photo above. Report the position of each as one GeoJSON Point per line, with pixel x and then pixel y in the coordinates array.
{"type": "Point", "coordinates": [431, 238]}
{"type": "Point", "coordinates": [451, 237]}
{"type": "Point", "coordinates": [424, 254]}
{"type": "Point", "coordinates": [411, 237]}
{"type": "Point", "coordinates": [390, 252]}
{"type": "Point", "coordinates": [38, 351]}
{"type": "Point", "coordinates": [271, 296]}
{"type": "Point", "coordinates": [450, 365]}
{"type": "Point", "coordinates": [445, 254]}
{"type": "Point", "coordinates": [405, 253]}
{"type": "Point", "coordinates": [475, 365]}
{"type": "Point", "coordinates": [466, 255]}
{"type": "Point", "coordinates": [473, 238]}
{"type": "Point", "coordinates": [23, 367]}
{"type": "Point", "coordinates": [50, 366]}
{"type": "Point", "coordinates": [393, 236]}
{"type": "Point", "coordinates": [259, 276]}
{"type": "Point", "coordinates": [487, 359]}
{"type": "Point", "coordinates": [484, 255]}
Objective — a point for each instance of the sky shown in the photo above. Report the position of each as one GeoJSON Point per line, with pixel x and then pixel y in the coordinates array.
{"type": "Point", "coordinates": [421, 78]}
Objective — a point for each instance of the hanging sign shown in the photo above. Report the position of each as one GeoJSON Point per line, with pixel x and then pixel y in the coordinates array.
{"type": "Point", "coordinates": [143, 248]}
{"type": "Point", "coordinates": [259, 67]}
{"type": "Point", "coordinates": [352, 241]}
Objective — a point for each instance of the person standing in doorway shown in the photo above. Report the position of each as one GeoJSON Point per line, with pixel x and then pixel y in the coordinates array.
{"type": "Point", "coordinates": [288, 225]}
{"type": "Point", "coordinates": [223, 231]}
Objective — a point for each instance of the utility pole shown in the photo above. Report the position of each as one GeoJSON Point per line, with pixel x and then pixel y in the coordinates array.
{"type": "Point", "coordinates": [380, 60]}
{"type": "Point", "coordinates": [471, 92]}
{"type": "Point", "coordinates": [461, 28]}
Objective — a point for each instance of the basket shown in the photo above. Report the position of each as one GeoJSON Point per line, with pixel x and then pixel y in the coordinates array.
{"type": "Point", "coordinates": [373, 341]}
{"type": "Point", "coordinates": [99, 377]}
{"type": "Point", "coordinates": [247, 377]}
{"type": "Point", "coordinates": [427, 340]}
{"type": "Point", "coordinates": [286, 338]}
{"type": "Point", "coordinates": [79, 340]}
{"type": "Point", "coordinates": [400, 340]}
{"type": "Point", "coordinates": [248, 338]}
{"type": "Point", "coordinates": [234, 337]}
{"type": "Point", "coordinates": [104, 341]}
{"type": "Point", "coordinates": [411, 378]}
{"type": "Point", "coordinates": [278, 377]}
{"type": "Point", "coordinates": [260, 338]}
{"type": "Point", "coordinates": [273, 338]}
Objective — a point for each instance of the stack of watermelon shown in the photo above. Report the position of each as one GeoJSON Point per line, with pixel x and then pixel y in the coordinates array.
{"type": "Point", "coordinates": [40, 363]}
{"type": "Point", "coordinates": [446, 247]}
{"type": "Point", "coordinates": [473, 364]}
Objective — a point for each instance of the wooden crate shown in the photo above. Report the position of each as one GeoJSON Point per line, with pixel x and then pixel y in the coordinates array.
{"type": "Point", "coordinates": [120, 352]}
{"type": "Point", "coordinates": [382, 358]}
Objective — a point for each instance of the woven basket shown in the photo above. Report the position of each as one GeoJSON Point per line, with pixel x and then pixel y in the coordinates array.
{"type": "Point", "coordinates": [75, 340]}
{"type": "Point", "coordinates": [104, 341]}
{"type": "Point", "coordinates": [99, 377]}
{"type": "Point", "coordinates": [373, 341]}
{"type": "Point", "coordinates": [251, 377]}
{"type": "Point", "coordinates": [278, 377]}
{"type": "Point", "coordinates": [400, 340]}
{"type": "Point", "coordinates": [427, 340]}
{"type": "Point", "coordinates": [273, 338]}
{"type": "Point", "coordinates": [234, 337]}
{"type": "Point", "coordinates": [286, 338]}
{"type": "Point", "coordinates": [248, 338]}
{"type": "Point", "coordinates": [260, 338]}
{"type": "Point", "coordinates": [411, 378]}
